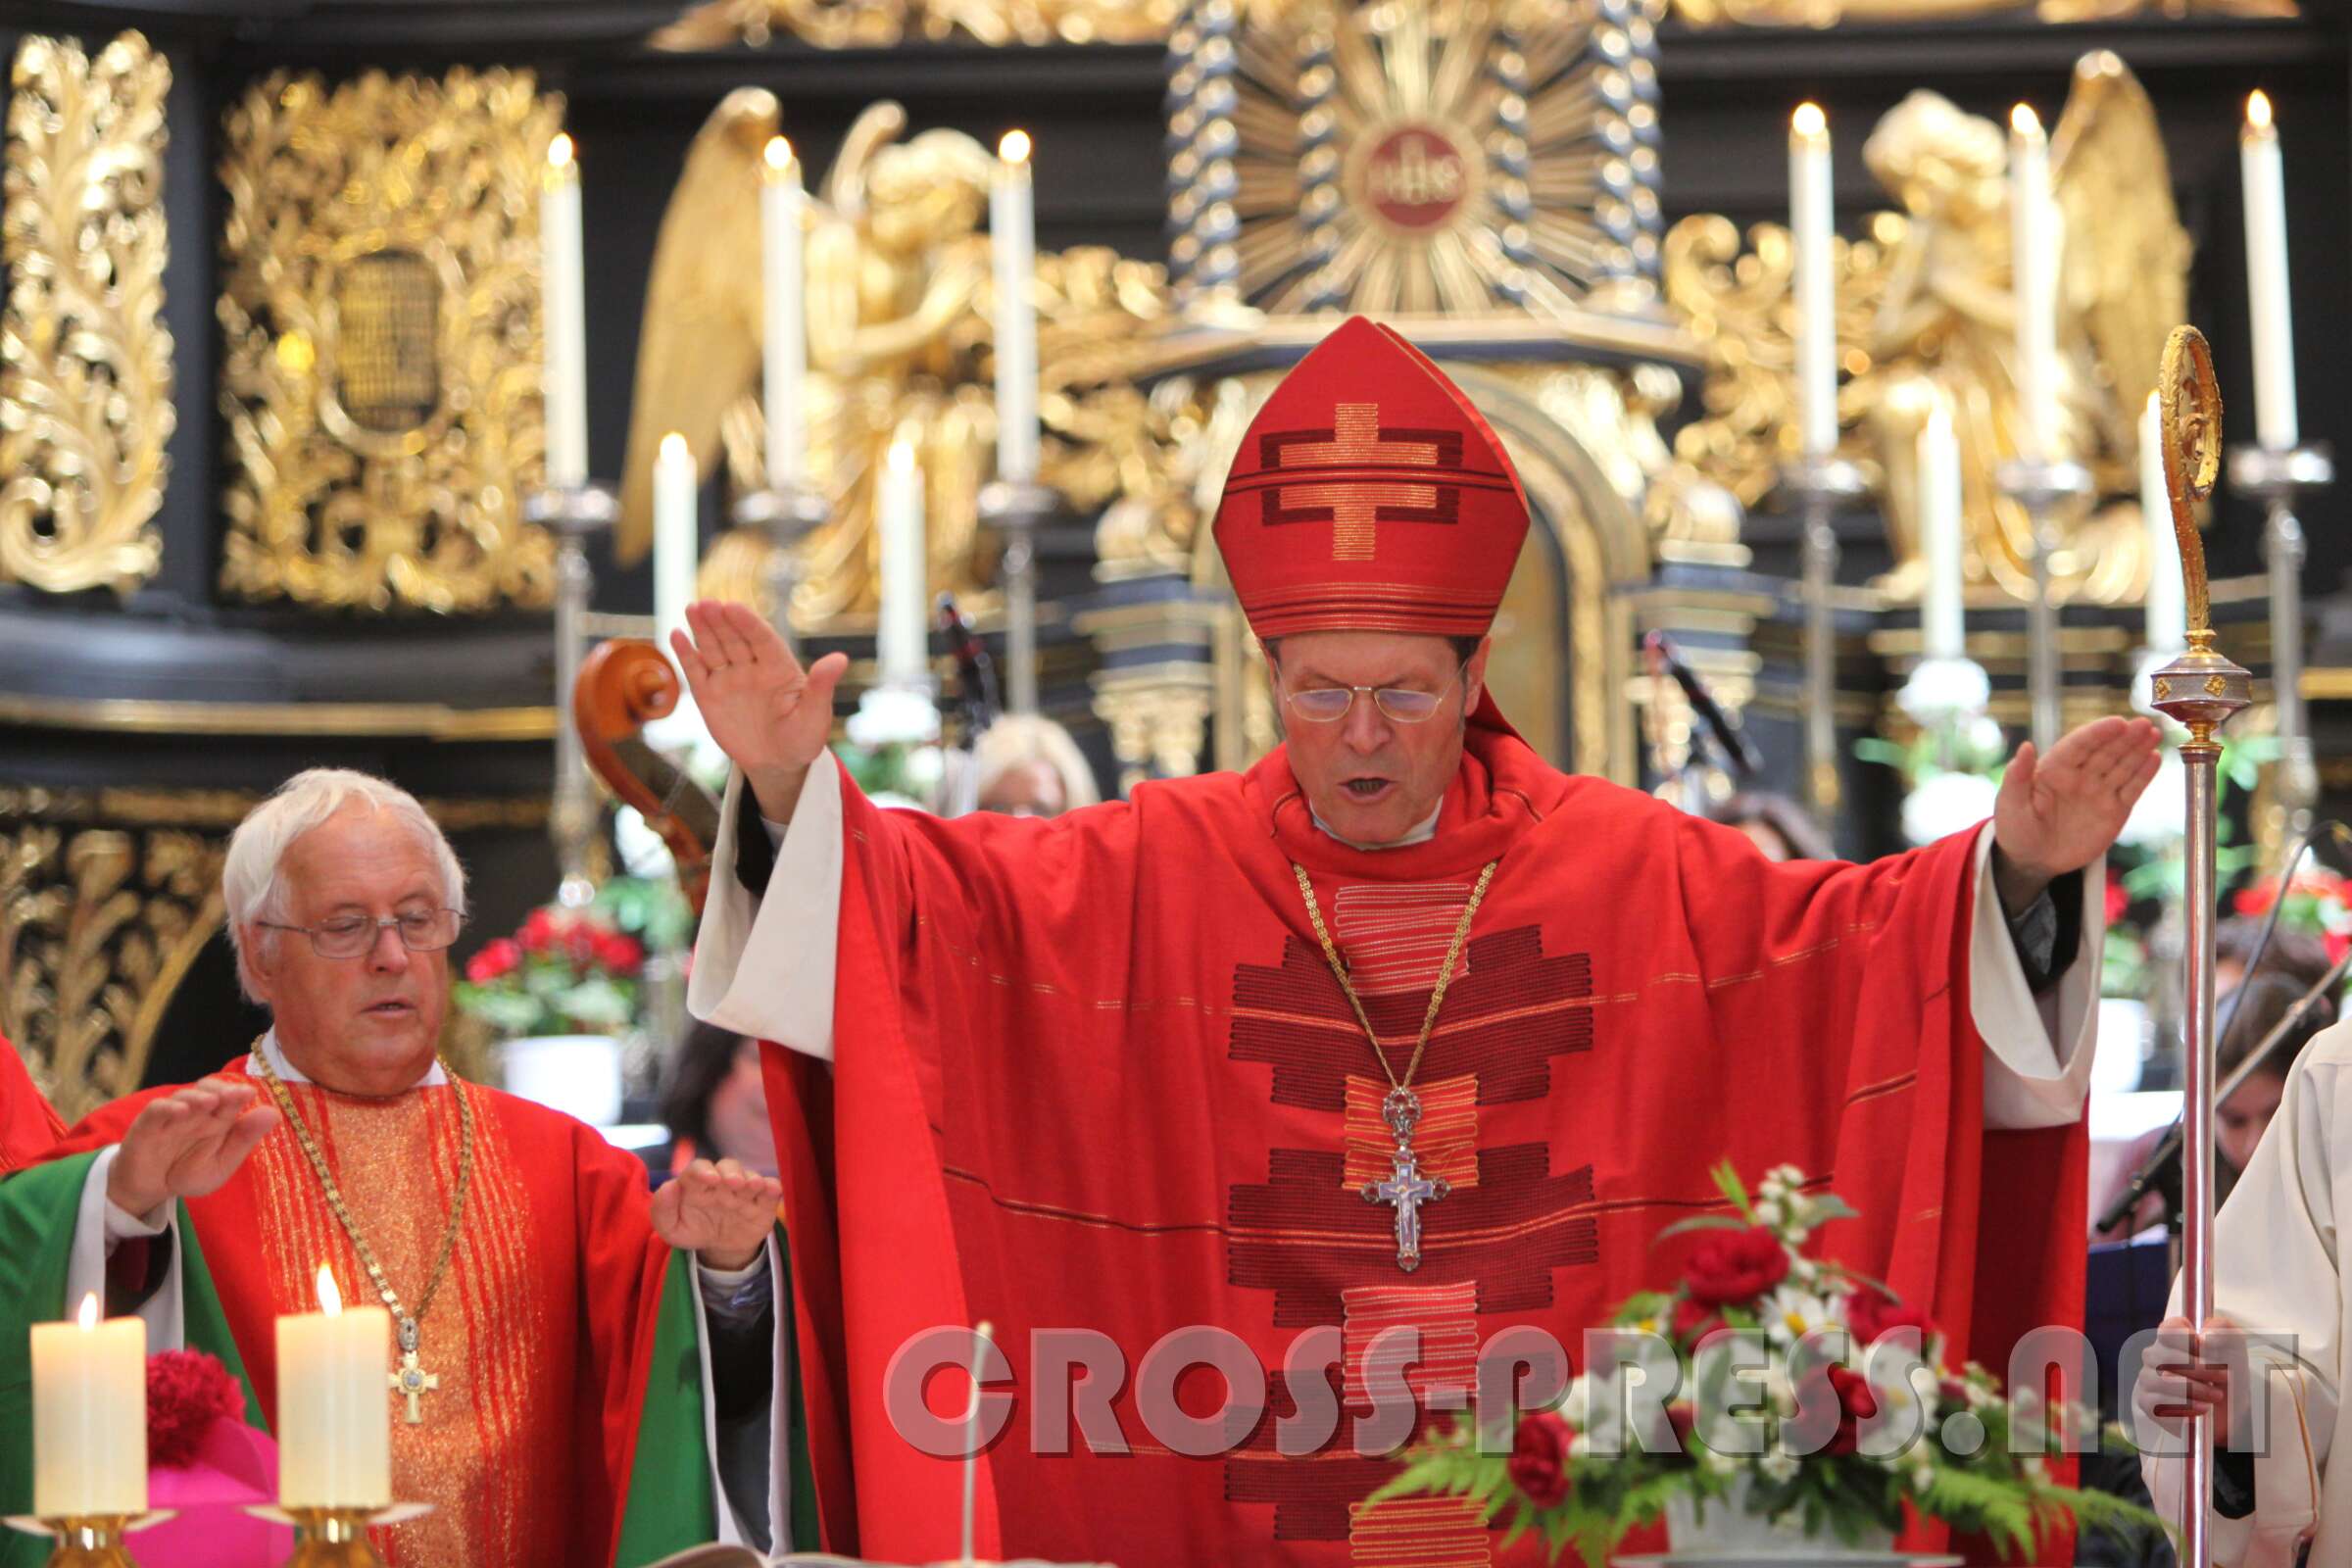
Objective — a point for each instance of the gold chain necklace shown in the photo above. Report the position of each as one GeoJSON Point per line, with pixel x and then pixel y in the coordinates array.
{"type": "Point", "coordinates": [1406, 1188]}
{"type": "Point", "coordinates": [411, 1381]}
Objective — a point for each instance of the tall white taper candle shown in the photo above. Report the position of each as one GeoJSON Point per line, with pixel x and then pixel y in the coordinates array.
{"type": "Point", "coordinates": [785, 358]}
{"type": "Point", "coordinates": [564, 311]}
{"type": "Point", "coordinates": [1811, 223]}
{"type": "Point", "coordinates": [1012, 247]}
{"type": "Point", "coordinates": [2033, 270]}
{"type": "Point", "coordinates": [904, 633]}
{"type": "Point", "coordinates": [677, 543]}
{"type": "Point", "coordinates": [2275, 425]}
{"type": "Point", "coordinates": [1942, 623]}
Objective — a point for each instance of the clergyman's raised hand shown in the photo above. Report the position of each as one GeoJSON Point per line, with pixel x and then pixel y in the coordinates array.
{"type": "Point", "coordinates": [770, 716]}
{"type": "Point", "coordinates": [2058, 813]}
{"type": "Point", "coordinates": [721, 1213]}
{"type": "Point", "coordinates": [186, 1143]}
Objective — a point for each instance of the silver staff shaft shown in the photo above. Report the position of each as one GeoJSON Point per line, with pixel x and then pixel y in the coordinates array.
{"type": "Point", "coordinates": [2200, 766]}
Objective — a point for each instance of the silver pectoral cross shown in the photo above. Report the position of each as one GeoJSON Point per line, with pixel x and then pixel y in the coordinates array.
{"type": "Point", "coordinates": [1406, 1188]}
{"type": "Point", "coordinates": [411, 1381]}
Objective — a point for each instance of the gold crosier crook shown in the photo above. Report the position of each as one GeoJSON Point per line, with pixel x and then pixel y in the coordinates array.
{"type": "Point", "coordinates": [2200, 690]}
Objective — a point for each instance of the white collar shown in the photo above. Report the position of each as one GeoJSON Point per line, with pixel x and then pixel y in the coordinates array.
{"type": "Point", "coordinates": [1420, 835]}
{"type": "Point", "coordinates": [276, 1055]}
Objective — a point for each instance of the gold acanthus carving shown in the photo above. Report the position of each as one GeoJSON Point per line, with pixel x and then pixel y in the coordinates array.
{"type": "Point", "coordinates": [85, 361]}
{"type": "Point", "coordinates": [1926, 318]}
{"type": "Point", "coordinates": [97, 928]}
{"type": "Point", "coordinates": [883, 23]}
{"type": "Point", "coordinates": [381, 341]}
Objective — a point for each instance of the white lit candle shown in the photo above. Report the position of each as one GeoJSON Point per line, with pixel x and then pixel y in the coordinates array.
{"type": "Point", "coordinates": [786, 346]}
{"type": "Point", "coordinates": [563, 308]}
{"type": "Point", "coordinates": [334, 1404]}
{"type": "Point", "coordinates": [2167, 605]}
{"type": "Point", "coordinates": [901, 637]}
{"type": "Point", "coordinates": [981, 1336]}
{"type": "Point", "coordinates": [2033, 271]}
{"type": "Point", "coordinates": [1012, 246]}
{"type": "Point", "coordinates": [677, 545]}
{"type": "Point", "coordinates": [89, 1416]}
{"type": "Point", "coordinates": [2265, 180]}
{"type": "Point", "coordinates": [1810, 226]}
{"type": "Point", "coordinates": [1941, 619]}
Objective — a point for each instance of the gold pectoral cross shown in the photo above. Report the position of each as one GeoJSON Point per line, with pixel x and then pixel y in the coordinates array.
{"type": "Point", "coordinates": [412, 1382]}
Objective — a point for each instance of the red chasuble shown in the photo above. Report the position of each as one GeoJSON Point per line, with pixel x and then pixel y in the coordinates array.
{"type": "Point", "coordinates": [28, 1124]}
{"type": "Point", "coordinates": [1094, 1073]}
{"type": "Point", "coordinates": [540, 1334]}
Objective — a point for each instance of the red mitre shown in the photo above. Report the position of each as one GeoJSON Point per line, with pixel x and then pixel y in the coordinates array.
{"type": "Point", "coordinates": [1368, 495]}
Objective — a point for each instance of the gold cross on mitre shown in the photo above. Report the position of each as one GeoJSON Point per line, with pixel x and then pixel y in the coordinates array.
{"type": "Point", "coordinates": [1354, 506]}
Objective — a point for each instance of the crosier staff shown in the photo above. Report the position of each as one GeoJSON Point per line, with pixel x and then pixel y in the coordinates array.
{"type": "Point", "coordinates": [2200, 690]}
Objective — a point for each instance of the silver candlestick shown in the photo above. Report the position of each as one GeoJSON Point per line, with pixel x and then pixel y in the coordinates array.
{"type": "Point", "coordinates": [573, 515]}
{"type": "Point", "coordinates": [1016, 509]}
{"type": "Point", "coordinates": [788, 513]}
{"type": "Point", "coordinates": [2043, 486]}
{"type": "Point", "coordinates": [1823, 486]}
{"type": "Point", "coordinates": [2281, 479]}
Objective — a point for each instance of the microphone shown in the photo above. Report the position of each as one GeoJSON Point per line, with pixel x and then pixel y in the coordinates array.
{"type": "Point", "coordinates": [1737, 748]}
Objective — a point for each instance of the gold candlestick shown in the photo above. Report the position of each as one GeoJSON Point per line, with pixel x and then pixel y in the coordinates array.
{"type": "Point", "coordinates": [92, 1541]}
{"type": "Point", "coordinates": [332, 1537]}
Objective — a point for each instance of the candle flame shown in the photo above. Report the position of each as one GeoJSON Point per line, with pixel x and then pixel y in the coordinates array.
{"type": "Point", "coordinates": [559, 151]}
{"type": "Point", "coordinates": [2024, 121]}
{"type": "Point", "coordinates": [1809, 121]}
{"type": "Point", "coordinates": [673, 448]}
{"type": "Point", "coordinates": [330, 1300]}
{"type": "Point", "coordinates": [902, 456]}
{"type": "Point", "coordinates": [2258, 110]}
{"type": "Point", "coordinates": [1014, 148]}
{"type": "Point", "coordinates": [87, 1317]}
{"type": "Point", "coordinates": [780, 153]}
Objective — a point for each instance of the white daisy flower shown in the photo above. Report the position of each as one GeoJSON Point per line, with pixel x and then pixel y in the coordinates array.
{"type": "Point", "coordinates": [1580, 1447]}
{"type": "Point", "coordinates": [1576, 1405]}
{"type": "Point", "coordinates": [1778, 1465]}
{"type": "Point", "coordinates": [1791, 1314]}
{"type": "Point", "coordinates": [1768, 1213]}
{"type": "Point", "coordinates": [1722, 1464]}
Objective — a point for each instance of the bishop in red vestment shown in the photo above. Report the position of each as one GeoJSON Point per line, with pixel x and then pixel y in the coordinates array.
{"type": "Point", "coordinates": [1403, 1026]}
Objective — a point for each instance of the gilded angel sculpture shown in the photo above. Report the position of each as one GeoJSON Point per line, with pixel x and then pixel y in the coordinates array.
{"type": "Point", "coordinates": [1944, 330]}
{"type": "Point", "coordinates": [897, 266]}
{"type": "Point", "coordinates": [1926, 316]}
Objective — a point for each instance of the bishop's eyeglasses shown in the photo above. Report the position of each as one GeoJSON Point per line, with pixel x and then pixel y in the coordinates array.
{"type": "Point", "coordinates": [1400, 705]}
{"type": "Point", "coordinates": [354, 936]}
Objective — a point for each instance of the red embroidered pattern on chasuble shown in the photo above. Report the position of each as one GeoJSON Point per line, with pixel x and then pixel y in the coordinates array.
{"type": "Point", "coordinates": [1490, 1246]}
{"type": "Point", "coordinates": [482, 1455]}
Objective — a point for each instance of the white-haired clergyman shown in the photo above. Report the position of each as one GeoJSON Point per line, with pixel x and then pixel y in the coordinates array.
{"type": "Point", "coordinates": [566, 1358]}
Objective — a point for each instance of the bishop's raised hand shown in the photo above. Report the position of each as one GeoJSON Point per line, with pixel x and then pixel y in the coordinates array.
{"type": "Point", "coordinates": [2057, 813]}
{"type": "Point", "coordinates": [769, 715]}
{"type": "Point", "coordinates": [186, 1143]}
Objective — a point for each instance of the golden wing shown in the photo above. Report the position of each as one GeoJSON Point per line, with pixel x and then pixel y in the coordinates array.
{"type": "Point", "coordinates": [2126, 268]}
{"type": "Point", "coordinates": [699, 347]}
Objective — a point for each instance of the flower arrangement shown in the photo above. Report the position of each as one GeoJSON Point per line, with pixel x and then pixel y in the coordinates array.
{"type": "Point", "coordinates": [566, 971]}
{"type": "Point", "coordinates": [1808, 1397]}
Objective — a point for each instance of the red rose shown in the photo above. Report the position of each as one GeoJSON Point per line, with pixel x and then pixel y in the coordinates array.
{"type": "Point", "coordinates": [188, 1390]}
{"type": "Point", "coordinates": [1872, 1314]}
{"type": "Point", "coordinates": [619, 952]}
{"type": "Point", "coordinates": [539, 932]}
{"type": "Point", "coordinates": [1694, 1320]}
{"type": "Point", "coordinates": [2117, 900]}
{"type": "Point", "coordinates": [1856, 1405]}
{"type": "Point", "coordinates": [1735, 1267]}
{"type": "Point", "coordinates": [496, 960]}
{"type": "Point", "coordinates": [1951, 1390]}
{"type": "Point", "coordinates": [1538, 1462]}
{"type": "Point", "coordinates": [2255, 900]}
